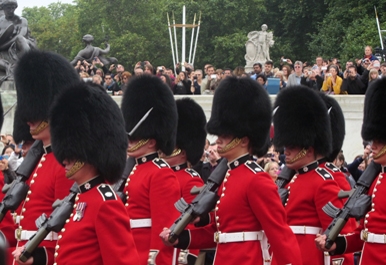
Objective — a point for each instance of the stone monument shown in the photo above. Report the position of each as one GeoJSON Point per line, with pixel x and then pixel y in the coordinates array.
{"type": "Point", "coordinates": [90, 52]}
{"type": "Point", "coordinates": [15, 40]}
{"type": "Point", "coordinates": [257, 47]}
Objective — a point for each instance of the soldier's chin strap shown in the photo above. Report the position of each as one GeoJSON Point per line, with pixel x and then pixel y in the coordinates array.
{"type": "Point", "coordinates": [75, 168]}
{"type": "Point", "coordinates": [302, 153]}
{"type": "Point", "coordinates": [40, 128]}
{"type": "Point", "coordinates": [176, 152]}
{"type": "Point", "coordinates": [381, 153]}
{"type": "Point", "coordinates": [138, 145]}
{"type": "Point", "coordinates": [232, 144]}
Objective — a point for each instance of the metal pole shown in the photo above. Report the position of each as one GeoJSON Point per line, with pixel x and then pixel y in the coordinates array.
{"type": "Point", "coordinates": [195, 46]}
{"type": "Point", "coordinates": [183, 38]}
{"type": "Point", "coordinates": [175, 38]}
{"type": "Point", "coordinates": [191, 40]}
{"type": "Point", "coordinates": [379, 28]}
{"type": "Point", "coordinates": [171, 44]}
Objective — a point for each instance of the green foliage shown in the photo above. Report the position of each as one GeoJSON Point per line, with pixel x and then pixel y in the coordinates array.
{"type": "Point", "coordinates": [55, 28]}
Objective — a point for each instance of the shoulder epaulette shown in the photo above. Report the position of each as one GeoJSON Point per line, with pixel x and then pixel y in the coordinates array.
{"type": "Point", "coordinates": [192, 172]}
{"type": "Point", "coordinates": [107, 192]}
{"type": "Point", "coordinates": [160, 163]}
{"type": "Point", "coordinates": [332, 167]}
{"type": "Point", "coordinates": [324, 173]}
{"type": "Point", "coordinates": [254, 167]}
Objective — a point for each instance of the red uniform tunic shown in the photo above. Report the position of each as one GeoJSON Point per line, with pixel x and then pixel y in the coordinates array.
{"type": "Point", "coordinates": [152, 189]}
{"type": "Point", "coordinates": [7, 225]}
{"type": "Point", "coordinates": [47, 184]}
{"type": "Point", "coordinates": [249, 202]}
{"type": "Point", "coordinates": [374, 222]}
{"type": "Point", "coordinates": [340, 178]}
{"type": "Point", "coordinates": [96, 232]}
{"type": "Point", "coordinates": [188, 178]}
{"type": "Point", "coordinates": [309, 190]}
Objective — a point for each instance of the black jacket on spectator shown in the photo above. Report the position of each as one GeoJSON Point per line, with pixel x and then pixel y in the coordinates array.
{"type": "Point", "coordinates": [183, 89]}
{"type": "Point", "coordinates": [314, 84]}
{"type": "Point", "coordinates": [353, 168]}
{"type": "Point", "coordinates": [355, 86]}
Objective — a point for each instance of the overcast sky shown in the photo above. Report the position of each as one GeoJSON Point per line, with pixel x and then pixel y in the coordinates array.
{"type": "Point", "coordinates": [31, 3]}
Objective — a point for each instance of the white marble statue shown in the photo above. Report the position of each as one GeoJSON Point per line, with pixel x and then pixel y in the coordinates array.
{"type": "Point", "coordinates": [257, 46]}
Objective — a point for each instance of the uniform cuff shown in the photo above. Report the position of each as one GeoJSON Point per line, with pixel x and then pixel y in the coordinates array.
{"type": "Point", "coordinates": [183, 240]}
{"type": "Point", "coordinates": [39, 256]}
{"type": "Point", "coordinates": [340, 246]}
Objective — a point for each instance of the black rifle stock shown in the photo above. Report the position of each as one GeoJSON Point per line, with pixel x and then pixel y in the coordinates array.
{"type": "Point", "coordinates": [54, 223]}
{"type": "Point", "coordinates": [119, 186]}
{"type": "Point", "coordinates": [203, 203]}
{"type": "Point", "coordinates": [357, 205]}
{"type": "Point", "coordinates": [16, 192]}
{"type": "Point", "coordinates": [285, 176]}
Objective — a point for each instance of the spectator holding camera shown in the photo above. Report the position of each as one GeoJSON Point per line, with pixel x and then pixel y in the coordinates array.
{"type": "Point", "coordinates": [110, 85]}
{"type": "Point", "coordinates": [208, 80]}
{"type": "Point", "coordinates": [312, 79]}
{"type": "Point", "coordinates": [332, 82]}
{"type": "Point", "coordinates": [352, 82]}
{"type": "Point", "coordinates": [197, 81]}
{"type": "Point", "coordinates": [183, 84]}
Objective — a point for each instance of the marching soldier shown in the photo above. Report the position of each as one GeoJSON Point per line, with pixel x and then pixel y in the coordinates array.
{"type": "Point", "coordinates": [370, 235]}
{"type": "Point", "coordinates": [337, 124]}
{"type": "Point", "coordinates": [83, 120]}
{"type": "Point", "coordinates": [39, 77]}
{"type": "Point", "coordinates": [302, 127]}
{"type": "Point", "coordinates": [152, 187]}
{"type": "Point", "coordinates": [191, 136]}
{"type": "Point", "coordinates": [249, 202]}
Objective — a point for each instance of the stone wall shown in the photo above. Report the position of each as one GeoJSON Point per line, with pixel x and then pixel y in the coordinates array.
{"type": "Point", "coordinates": [352, 107]}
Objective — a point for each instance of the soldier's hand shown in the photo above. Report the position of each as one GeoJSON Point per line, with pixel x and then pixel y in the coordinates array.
{"type": "Point", "coordinates": [16, 254]}
{"type": "Point", "coordinates": [320, 242]}
{"type": "Point", "coordinates": [164, 235]}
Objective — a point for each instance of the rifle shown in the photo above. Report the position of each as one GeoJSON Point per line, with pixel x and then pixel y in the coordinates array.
{"type": "Point", "coordinates": [357, 204]}
{"type": "Point", "coordinates": [204, 202]}
{"type": "Point", "coordinates": [120, 184]}
{"type": "Point", "coordinates": [55, 222]}
{"type": "Point", "coordinates": [17, 190]}
{"type": "Point", "coordinates": [282, 180]}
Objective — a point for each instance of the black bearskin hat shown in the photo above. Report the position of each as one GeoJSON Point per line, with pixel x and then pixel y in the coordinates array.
{"type": "Point", "coordinates": [191, 134]}
{"type": "Point", "coordinates": [337, 123]}
{"type": "Point", "coordinates": [143, 93]}
{"type": "Point", "coordinates": [39, 76]}
{"type": "Point", "coordinates": [241, 107]}
{"type": "Point", "coordinates": [301, 120]}
{"type": "Point", "coordinates": [374, 115]}
{"type": "Point", "coordinates": [21, 132]}
{"type": "Point", "coordinates": [87, 125]}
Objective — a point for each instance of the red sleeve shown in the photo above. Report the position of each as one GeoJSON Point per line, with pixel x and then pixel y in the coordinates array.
{"type": "Point", "coordinates": [353, 240]}
{"type": "Point", "coordinates": [164, 192]}
{"type": "Point", "coordinates": [266, 204]}
{"type": "Point", "coordinates": [326, 192]}
{"type": "Point", "coordinates": [114, 236]}
{"type": "Point", "coordinates": [203, 237]}
{"type": "Point", "coordinates": [193, 181]}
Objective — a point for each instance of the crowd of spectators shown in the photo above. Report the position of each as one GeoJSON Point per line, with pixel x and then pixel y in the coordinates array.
{"type": "Point", "coordinates": [330, 76]}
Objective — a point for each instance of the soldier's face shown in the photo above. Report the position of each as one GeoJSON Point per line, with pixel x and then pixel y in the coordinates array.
{"type": "Point", "coordinates": [9, 9]}
{"type": "Point", "coordinates": [293, 158]}
{"type": "Point", "coordinates": [377, 147]}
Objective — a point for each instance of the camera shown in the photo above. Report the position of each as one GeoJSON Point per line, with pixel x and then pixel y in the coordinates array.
{"type": "Point", "coordinates": [284, 60]}
{"type": "Point", "coordinates": [213, 76]}
{"type": "Point", "coordinates": [206, 153]}
{"type": "Point", "coordinates": [324, 68]}
{"type": "Point", "coordinates": [309, 72]}
{"type": "Point", "coordinates": [348, 72]}
{"type": "Point", "coordinates": [195, 77]}
{"type": "Point", "coordinates": [95, 59]}
{"type": "Point", "coordinates": [160, 69]}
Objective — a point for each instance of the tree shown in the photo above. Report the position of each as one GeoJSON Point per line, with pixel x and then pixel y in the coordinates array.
{"type": "Point", "coordinates": [55, 28]}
